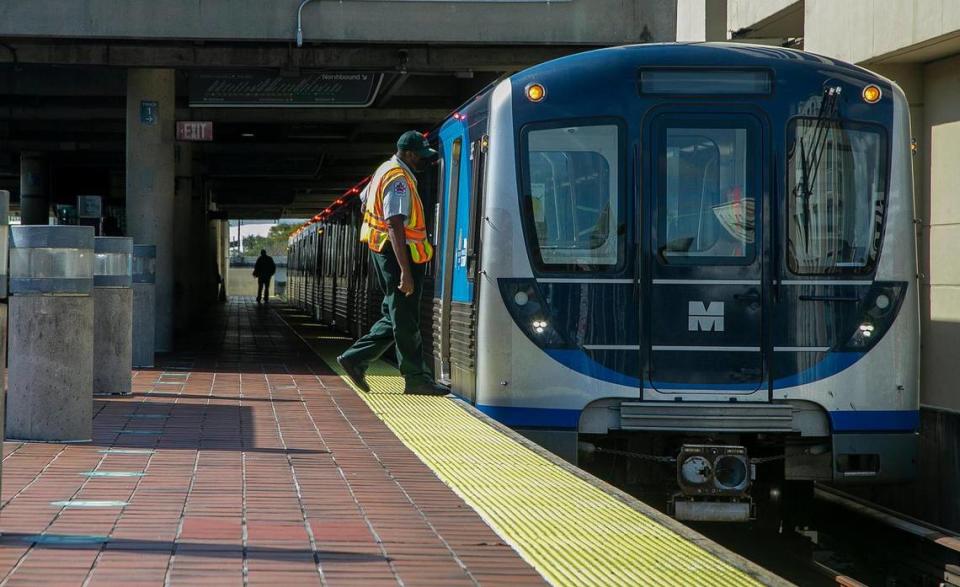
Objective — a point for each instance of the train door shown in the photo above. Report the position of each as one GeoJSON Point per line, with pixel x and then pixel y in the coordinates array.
{"type": "Point", "coordinates": [704, 310]}
{"type": "Point", "coordinates": [452, 138]}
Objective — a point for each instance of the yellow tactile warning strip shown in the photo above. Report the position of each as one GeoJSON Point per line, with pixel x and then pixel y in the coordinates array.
{"type": "Point", "coordinates": [570, 531]}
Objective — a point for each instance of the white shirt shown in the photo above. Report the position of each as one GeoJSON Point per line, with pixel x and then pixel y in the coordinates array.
{"type": "Point", "coordinates": [396, 196]}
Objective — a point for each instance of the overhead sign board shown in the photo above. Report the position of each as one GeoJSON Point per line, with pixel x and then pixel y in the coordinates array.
{"type": "Point", "coordinates": [269, 90]}
{"type": "Point", "coordinates": [194, 130]}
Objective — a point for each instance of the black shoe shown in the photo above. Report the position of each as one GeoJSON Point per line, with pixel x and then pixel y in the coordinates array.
{"type": "Point", "coordinates": [425, 388]}
{"type": "Point", "coordinates": [355, 375]}
{"type": "Point", "coordinates": [258, 300]}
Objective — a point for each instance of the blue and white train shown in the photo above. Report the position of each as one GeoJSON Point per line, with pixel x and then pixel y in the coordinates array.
{"type": "Point", "coordinates": [700, 252]}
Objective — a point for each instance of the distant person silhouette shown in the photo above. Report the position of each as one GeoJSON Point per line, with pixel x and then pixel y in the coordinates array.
{"type": "Point", "coordinates": [263, 271]}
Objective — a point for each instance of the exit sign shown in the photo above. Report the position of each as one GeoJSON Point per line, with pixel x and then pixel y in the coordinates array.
{"type": "Point", "coordinates": [194, 130]}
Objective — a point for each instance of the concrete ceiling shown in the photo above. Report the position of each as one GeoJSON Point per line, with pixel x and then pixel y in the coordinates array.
{"type": "Point", "coordinates": [68, 100]}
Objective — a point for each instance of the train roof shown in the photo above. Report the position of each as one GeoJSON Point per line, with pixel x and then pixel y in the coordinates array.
{"type": "Point", "coordinates": [695, 55]}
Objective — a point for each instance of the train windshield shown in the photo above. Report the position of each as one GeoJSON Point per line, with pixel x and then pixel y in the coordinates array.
{"type": "Point", "coordinates": [837, 182]}
{"type": "Point", "coordinates": [572, 195]}
{"type": "Point", "coordinates": [708, 213]}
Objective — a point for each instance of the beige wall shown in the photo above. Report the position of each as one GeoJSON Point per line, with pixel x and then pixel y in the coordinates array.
{"type": "Point", "coordinates": [932, 90]}
{"type": "Point", "coordinates": [940, 236]}
{"type": "Point", "coordinates": [760, 14]}
{"type": "Point", "coordinates": [701, 20]}
{"type": "Point", "coordinates": [864, 30]}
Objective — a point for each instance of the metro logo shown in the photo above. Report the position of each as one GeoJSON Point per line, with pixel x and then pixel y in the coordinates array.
{"type": "Point", "coordinates": [705, 317]}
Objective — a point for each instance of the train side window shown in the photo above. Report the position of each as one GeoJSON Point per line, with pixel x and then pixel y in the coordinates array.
{"type": "Point", "coordinates": [836, 198]}
{"type": "Point", "coordinates": [478, 156]}
{"type": "Point", "coordinates": [571, 197]}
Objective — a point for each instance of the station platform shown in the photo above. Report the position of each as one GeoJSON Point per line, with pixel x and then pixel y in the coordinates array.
{"type": "Point", "coordinates": [244, 458]}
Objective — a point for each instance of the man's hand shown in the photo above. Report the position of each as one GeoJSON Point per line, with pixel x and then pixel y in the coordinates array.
{"type": "Point", "coordinates": [406, 283]}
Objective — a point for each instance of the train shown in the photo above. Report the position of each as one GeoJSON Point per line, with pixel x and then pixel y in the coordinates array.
{"type": "Point", "coordinates": [699, 256]}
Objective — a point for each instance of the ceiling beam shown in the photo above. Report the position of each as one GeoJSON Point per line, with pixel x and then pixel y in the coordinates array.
{"type": "Point", "coordinates": [368, 57]}
{"type": "Point", "coordinates": [240, 115]}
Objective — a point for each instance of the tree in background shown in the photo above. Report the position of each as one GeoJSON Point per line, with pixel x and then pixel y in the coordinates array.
{"type": "Point", "coordinates": [275, 242]}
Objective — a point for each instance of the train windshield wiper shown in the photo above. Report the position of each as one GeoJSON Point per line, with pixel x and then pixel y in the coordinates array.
{"type": "Point", "coordinates": [810, 159]}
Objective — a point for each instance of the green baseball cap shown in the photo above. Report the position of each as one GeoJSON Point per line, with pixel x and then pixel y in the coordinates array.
{"type": "Point", "coordinates": [416, 142]}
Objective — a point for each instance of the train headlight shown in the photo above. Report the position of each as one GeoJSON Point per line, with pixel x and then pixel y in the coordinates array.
{"type": "Point", "coordinates": [535, 92]}
{"type": "Point", "coordinates": [730, 472]}
{"type": "Point", "coordinates": [696, 470]}
{"type": "Point", "coordinates": [878, 309]}
{"type": "Point", "coordinates": [712, 470]}
{"type": "Point", "coordinates": [872, 94]}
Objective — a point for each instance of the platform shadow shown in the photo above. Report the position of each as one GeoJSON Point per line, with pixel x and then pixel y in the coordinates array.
{"type": "Point", "coordinates": [89, 542]}
{"type": "Point", "coordinates": [123, 424]}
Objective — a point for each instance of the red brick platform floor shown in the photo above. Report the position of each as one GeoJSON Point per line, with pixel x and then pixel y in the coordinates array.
{"type": "Point", "coordinates": [241, 459]}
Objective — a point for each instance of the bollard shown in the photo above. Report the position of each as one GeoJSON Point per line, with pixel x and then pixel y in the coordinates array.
{"type": "Point", "coordinates": [50, 394]}
{"type": "Point", "coordinates": [144, 304]}
{"type": "Point", "coordinates": [112, 315]}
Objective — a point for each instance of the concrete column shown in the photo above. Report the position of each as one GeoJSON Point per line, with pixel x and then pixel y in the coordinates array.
{"type": "Point", "coordinates": [182, 254]}
{"type": "Point", "coordinates": [34, 189]}
{"type": "Point", "coordinates": [150, 181]}
{"type": "Point", "coordinates": [224, 231]}
{"type": "Point", "coordinates": [200, 260]}
{"type": "Point", "coordinates": [213, 259]}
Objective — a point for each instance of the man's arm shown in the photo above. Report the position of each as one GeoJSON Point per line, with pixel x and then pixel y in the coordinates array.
{"type": "Point", "coordinates": [398, 242]}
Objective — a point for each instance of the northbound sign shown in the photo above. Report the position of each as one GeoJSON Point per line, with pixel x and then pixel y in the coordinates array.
{"type": "Point", "coordinates": [269, 90]}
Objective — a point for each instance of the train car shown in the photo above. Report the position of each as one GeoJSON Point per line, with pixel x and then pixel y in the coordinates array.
{"type": "Point", "coordinates": [700, 254]}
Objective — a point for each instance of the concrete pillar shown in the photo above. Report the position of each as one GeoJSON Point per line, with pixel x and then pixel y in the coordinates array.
{"type": "Point", "coordinates": [150, 181]}
{"type": "Point", "coordinates": [224, 258]}
{"type": "Point", "coordinates": [182, 254]}
{"type": "Point", "coordinates": [200, 264]}
{"type": "Point", "coordinates": [34, 189]}
{"type": "Point", "coordinates": [214, 271]}
{"type": "Point", "coordinates": [113, 315]}
{"type": "Point", "coordinates": [51, 327]}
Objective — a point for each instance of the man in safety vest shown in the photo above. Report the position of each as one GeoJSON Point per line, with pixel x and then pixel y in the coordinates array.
{"type": "Point", "coordinates": [393, 213]}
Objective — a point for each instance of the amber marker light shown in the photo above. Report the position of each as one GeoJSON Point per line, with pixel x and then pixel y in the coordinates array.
{"type": "Point", "coordinates": [535, 92]}
{"type": "Point", "coordinates": [871, 94]}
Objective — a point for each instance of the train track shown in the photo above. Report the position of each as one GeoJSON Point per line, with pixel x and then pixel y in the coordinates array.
{"type": "Point", "coordinates": [860, 543]}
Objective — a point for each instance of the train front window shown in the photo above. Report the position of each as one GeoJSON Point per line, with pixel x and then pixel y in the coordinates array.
{"type": "Point", "coordinates": [571, 195]}
{"type": "Point", "coordinates": [837, 190]}
{"type": "Point", "coordinates": [708, 208]}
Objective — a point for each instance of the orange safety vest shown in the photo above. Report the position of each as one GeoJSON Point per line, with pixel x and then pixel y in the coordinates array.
{"type": "Point", "coordinates": [374, 229]}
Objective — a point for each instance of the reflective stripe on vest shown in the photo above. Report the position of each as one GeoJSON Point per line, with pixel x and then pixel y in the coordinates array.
{"type": "Point", "coordinates": [374, 229]}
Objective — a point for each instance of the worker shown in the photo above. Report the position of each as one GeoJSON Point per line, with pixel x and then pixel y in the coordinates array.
{"type": "Point", "coordinates": [395, 231]}
{"type": "Point", "coordinates": [263, 270]}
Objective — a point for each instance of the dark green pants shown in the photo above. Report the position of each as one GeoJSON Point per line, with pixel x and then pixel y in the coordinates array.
{"type": "Point", "coordinates": [399, 325]}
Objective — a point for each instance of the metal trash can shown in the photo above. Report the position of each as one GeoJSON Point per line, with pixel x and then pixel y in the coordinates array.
{"type": "Point", "coordinates": [50, 394]}
{"type": "Point", "coordinates": [144, 304]}
{"type": "Point", "coordinates": [112, 315]}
